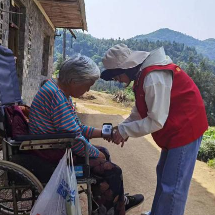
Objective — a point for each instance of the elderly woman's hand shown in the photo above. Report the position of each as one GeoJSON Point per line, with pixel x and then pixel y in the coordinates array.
{"type": "Point", "coordinates": [101, 155]}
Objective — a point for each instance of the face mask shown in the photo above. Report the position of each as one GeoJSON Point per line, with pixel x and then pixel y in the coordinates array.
{"type": "Point", "coordinates": [132, 72]}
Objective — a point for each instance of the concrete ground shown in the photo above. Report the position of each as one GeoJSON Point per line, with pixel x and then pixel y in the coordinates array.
{"type": "Point", "coordinates": [138, 160]}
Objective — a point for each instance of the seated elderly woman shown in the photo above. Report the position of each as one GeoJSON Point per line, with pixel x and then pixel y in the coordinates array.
{"type": "Point", "coordinates": [52, 111]}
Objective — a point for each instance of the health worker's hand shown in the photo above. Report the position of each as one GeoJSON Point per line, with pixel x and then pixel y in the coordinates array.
{"type": "Point", "coordinates": [108, 138]}
{"type": "Point", "coordinates": [117, 138]}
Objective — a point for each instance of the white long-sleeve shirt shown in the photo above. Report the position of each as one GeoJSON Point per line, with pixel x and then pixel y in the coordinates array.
{"type": "Point", "coordinates": [157, 87]}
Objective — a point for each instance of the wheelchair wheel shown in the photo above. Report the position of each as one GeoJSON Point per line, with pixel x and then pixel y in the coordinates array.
{"type": "Point", "coordinates": [19, 189]}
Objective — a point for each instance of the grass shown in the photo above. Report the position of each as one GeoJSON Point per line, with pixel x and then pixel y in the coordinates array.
{"type": "Point", "coordinates": [108, 109]}
{"type": "Point", "coordinates": [103, 103]}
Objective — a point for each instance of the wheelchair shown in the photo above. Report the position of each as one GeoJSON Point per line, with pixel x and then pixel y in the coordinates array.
{"type": "Point", "coordinates": [22, 174]}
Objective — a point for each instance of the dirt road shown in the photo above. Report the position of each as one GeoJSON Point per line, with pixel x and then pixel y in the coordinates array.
{"type": "Point", "coordinates": [138, 159]}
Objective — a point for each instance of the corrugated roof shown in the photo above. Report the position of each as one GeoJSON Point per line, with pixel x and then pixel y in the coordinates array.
{"type": "Point", "coordinates": [65, 13]}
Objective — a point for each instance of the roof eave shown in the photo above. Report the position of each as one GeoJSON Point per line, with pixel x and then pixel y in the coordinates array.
{"type": "Point", "coordinates": [79, 9]}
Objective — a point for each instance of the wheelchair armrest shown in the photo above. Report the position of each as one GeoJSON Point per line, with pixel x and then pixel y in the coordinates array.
{"type": "Point", "coordinates": [34, 138]}
{"type": "Point", "coordinates": [44, 136]}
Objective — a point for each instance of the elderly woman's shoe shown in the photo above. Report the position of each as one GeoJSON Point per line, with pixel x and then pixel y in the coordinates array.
{"type": "Point", "coordinates": [133, 201]}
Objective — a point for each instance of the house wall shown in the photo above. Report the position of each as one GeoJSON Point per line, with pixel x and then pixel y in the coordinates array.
{"type": "Point", "coordinates": [34, 30]}
{"type": "Point", "coordinates": [4, 20]}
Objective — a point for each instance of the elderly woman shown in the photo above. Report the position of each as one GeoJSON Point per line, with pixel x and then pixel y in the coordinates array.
{"type": "Point", "coordinates": [52, 111]}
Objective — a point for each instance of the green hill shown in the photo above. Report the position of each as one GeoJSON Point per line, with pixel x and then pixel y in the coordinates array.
{"type": "Point", "coordinates": [198, 67]}
{"type": "Point", "coordinates": [95, 48]}
{"type": "Point", "coordinates": [205, 47]}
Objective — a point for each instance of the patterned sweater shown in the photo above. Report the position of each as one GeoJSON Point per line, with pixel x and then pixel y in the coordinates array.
{"type": "Point", "coordinates": [51, 112]}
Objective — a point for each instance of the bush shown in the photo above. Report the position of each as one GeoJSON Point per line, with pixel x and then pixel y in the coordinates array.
{"type": "Point", "coordinates": [120, 97]}
{"type": "Point", "coordinates": [211, 163]}
{"type": "Point", "coordinates": [209, 134]}
{"type": "Point", "coordinates": [55, 74]}
{"type": "Point", "coordinates": [129, 93]}
{"type": "Point", "coordinates": [207, 150]}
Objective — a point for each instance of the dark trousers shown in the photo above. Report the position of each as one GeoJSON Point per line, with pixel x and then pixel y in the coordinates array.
{"type": "Point", "coordinates": [108, 192]}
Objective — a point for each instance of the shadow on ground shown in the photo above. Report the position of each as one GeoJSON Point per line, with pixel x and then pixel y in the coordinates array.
{"type": "Point", "coordinates": [138, 160]}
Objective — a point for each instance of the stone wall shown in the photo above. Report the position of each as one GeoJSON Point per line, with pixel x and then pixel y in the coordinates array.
{"type": "Point", "coordinates": [4, 20]}
{"type": "Point", "coordinates": [33, 30]}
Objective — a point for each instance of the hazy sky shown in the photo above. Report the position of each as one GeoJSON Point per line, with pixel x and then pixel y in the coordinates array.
{"type": "Point", "coordinates": [128, 18]}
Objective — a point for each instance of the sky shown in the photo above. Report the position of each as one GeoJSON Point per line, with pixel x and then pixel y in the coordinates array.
{"type": "Point", "coordinates": [128, 18]}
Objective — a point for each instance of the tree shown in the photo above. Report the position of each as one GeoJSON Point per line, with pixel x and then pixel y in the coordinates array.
{"type": "Point", "coordinates": [199, 68]}
{"type": "Point", "coordinates": [205, 81]}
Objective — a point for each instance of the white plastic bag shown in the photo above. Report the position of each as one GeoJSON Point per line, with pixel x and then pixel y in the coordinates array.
{"type": "Point", "coordinates": [60, 196]}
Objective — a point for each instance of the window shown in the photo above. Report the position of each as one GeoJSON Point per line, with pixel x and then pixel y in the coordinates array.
{"type": "Point", "coordinates": [2, 8]}
{"type": "Point", "coordinates": [13, 42]}
{"type": "Point", "coordinates": [45, 59]}
{"type": "Point", "coordinates": [15, 18]}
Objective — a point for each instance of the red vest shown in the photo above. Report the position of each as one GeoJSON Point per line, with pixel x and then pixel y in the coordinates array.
{"type": "Point", "coordinates": [187, 119]}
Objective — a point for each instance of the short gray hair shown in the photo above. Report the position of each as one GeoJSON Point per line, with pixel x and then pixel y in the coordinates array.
{"type": "Point", "coordinates": [79, 68]}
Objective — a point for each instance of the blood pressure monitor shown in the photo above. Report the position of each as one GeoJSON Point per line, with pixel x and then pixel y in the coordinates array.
{"type": "Point", "coordinates": [107, 130]}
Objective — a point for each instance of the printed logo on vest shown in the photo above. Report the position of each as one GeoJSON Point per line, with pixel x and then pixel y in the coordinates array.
{"type": "Point", "coordinates": [178, 69]}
